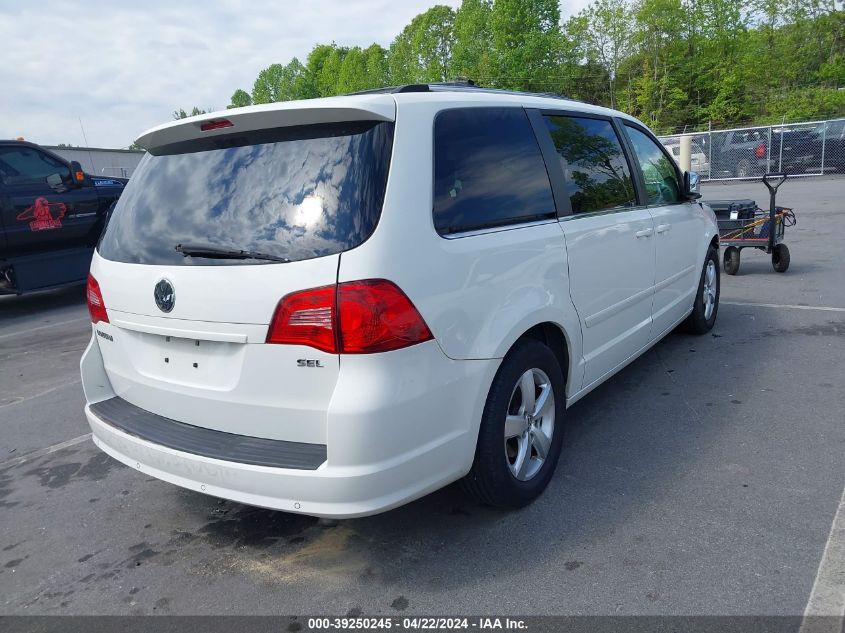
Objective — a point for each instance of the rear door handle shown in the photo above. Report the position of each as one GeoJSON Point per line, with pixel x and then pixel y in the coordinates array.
{"type": "Point", "coordinates": [644, 233]}
{"type": "Point", "coordinates": [662, 228]}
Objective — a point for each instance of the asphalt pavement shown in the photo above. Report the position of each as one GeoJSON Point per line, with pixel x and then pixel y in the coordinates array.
{"type": "Point", "coordinates": [703, 479]}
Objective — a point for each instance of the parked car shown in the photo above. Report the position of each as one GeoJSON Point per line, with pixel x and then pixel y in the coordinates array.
{"type": "Point", "coordinates": [335, 306]}
{"type": "Point", "coordinates": [796, 150]}
{"type": "Point", "coordinates": [740, 153]}
{"type": "Point", "coordinates": [806, 148]}
{"type": "Point", "coordinates": [51, 215]}
{"type": "Point", "coordinates": [698, 158]}
{"type": "Point", "coordinates": [833, 133]}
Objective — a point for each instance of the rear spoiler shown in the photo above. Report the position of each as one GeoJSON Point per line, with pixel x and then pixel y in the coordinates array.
{"type": "Point", "coordinates": [271, 115]}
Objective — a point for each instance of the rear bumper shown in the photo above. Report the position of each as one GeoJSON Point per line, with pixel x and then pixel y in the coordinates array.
{"type": "Point", "coordinates": [381, 451]}
{"type": "Point", "coordinates": [325, 492]}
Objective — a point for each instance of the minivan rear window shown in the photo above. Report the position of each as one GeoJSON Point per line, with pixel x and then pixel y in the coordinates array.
{"type": "Point", "coordinates": [290, 193]}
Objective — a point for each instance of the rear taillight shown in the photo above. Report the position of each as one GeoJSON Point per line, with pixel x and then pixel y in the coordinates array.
{"type": "Point", "coordinates": [357, 317]}
{"type": "Point", "coordinates": [760, 151]}
{"type": "Point", "coordinates": [306, 318]}
{"type": "Point", "coordinates": [96, 305]}
{"type": "Point", "coordinates": [376, 316]}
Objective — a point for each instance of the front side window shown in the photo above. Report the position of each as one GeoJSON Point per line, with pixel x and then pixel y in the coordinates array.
{"type": "Point", "coordinates": [595, 170]}
{"type": "Point", "coordinates": [488, 170]}
{"type": "Point", "coordinates": [25, 165]}
{"type": "Point", "coordinates": [659, 173]}
{"type": "Point", "coordinates": [293, 192]}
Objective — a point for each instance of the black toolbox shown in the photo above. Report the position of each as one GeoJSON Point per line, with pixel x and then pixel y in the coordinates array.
{"type": "Point", "coordinates": [733, 209]}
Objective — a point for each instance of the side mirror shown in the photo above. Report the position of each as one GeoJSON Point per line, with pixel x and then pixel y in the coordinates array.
{"type": "Point", "coordinates": [692, 185]}
{"type": "Point", "coordinates": [56, 182]}
{"type": "Point", "coordinates": [77, 176]}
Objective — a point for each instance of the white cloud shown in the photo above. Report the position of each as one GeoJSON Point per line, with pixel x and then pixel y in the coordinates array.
{"type": "Point", "coordinates": [122, 68]}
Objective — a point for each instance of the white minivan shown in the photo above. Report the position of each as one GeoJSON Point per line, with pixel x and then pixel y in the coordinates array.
{"type": "Point", "coordinates": [335, 306]}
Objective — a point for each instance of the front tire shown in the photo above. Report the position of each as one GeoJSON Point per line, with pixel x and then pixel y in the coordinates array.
{"type": "Point", "coordinates": [780, 258]}
{"type": "Point", "coordinates": [706, 305]}
{"type": "Point", "coordinates": [732, 260]}
{"type": "Point", "coordinates": [521, 432]}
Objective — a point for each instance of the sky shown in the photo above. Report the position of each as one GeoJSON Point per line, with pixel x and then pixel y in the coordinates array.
{"type": "Point", "coordinates": [115, 69]}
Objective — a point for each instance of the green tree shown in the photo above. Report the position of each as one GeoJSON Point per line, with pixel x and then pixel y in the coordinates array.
{"type": "Point", "coordinates": [375, 58]}
{"type": "Point", "coordinates": [353, 72]}
{"type": "Point", "coordinates": [672, 63]}
{"type": "Point", "coordinates": [181, 114]}
{"type": "Point", "coordinates": [240, 98]}
{"type": "Point", "coordinates": [280, 83]}
{"type": "Point", "coordinates": [724, 24]}
{"type": "Point", "coordinates": [581, 75]}
{"type": "Point", "coordinates": [526, 42]}
{"type": "Point", "coordinates": [656, 89]}
{"type": "Point", "coordinates": [471, 40]}
{"type": "Point", "coordinates": [422, 51]}
{"type": "Point", "coordinates": [607, 37]}
{"type": "Point", "coordinates": [319, 82]}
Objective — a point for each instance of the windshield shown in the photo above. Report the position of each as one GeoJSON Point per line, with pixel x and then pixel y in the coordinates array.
{"type": "Point", "coordinates": [294, 193]}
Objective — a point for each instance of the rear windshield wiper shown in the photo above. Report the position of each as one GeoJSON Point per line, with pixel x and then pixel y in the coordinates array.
{"type": "Point", "coordinates": [219, 252]}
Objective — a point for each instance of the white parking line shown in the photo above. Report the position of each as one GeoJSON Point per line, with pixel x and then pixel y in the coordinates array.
{"type": "Point", "coordinates": [42, 327]}
{"type": "Point", "coordinates": [41, 393]}
{"type": "Point", "coordinates": [825, 612]}
{"type": "Point", "coordinates": [44, 451]}
{"type": "Point", "coordinates": [781, 305]}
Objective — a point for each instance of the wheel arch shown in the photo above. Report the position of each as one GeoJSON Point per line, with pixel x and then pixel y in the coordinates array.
{"type": "Point", "coordinates": [714, 242]}
{"type": "Point", "coordinates": [557, 338]}
{"type": "Point", "coordinates": [553, 337]}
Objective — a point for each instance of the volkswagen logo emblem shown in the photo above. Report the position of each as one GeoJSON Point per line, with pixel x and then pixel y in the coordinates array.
{"type": "Point", "coordinates": [164, 295]}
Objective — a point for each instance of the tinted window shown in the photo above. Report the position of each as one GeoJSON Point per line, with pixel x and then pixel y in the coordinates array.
{"type": "Point", "coordinates": [835, 128]}
{"type": "Point", "coordinates": [488, 170]}
{"type": "Point", "coordinates": [661, 178]}
{"type": "Point", "coordinates": [297, 193]}
{"type": "Point", "coordinates": [596, 172]}
{"type": "Point", "coordinates": [24, 165]}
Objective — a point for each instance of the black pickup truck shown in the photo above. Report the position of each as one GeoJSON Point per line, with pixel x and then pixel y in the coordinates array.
{"type": "Point", "coordinates": [51, 216]}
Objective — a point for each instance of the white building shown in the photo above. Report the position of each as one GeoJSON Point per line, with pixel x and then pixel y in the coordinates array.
{"type": "Point", "coordinates": [102, 162]}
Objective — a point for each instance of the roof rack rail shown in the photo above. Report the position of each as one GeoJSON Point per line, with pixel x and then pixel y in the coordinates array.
{"type": "Point", "coordinates": [459, 85]}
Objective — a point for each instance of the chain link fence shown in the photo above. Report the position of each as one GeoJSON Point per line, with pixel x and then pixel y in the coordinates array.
{"type": "Point", "coordinates": [812, 148]}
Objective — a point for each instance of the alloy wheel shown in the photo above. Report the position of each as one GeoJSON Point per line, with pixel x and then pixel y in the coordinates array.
{"type": "Point", "coordinates": [529, 425]}
{"type": "Point", "coordinates": [708, 292]}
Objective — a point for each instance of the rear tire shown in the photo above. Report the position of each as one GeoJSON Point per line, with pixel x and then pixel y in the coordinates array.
{"type": "Point", "coordinates": [731, 260]}
{"type": "Point", "coordinates": [706, 305]}
{"type": "Point", "coordinates": [780, 258]}
{"type": "Point", "coordinates": [517, 451]}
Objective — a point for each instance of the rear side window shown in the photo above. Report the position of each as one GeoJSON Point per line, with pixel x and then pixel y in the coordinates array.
{"type": "Point", "coordinates": [661, 178]}
{"type": "Point", "coordinates": [488, 170]}
{"type": "Point", "coordinates": [596, 173]}
{"type": "Point", "coordinates": [294, 193]}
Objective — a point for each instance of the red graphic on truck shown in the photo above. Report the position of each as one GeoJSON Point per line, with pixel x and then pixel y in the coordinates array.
{"type": "Point", "coordinates": [44, 215]}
